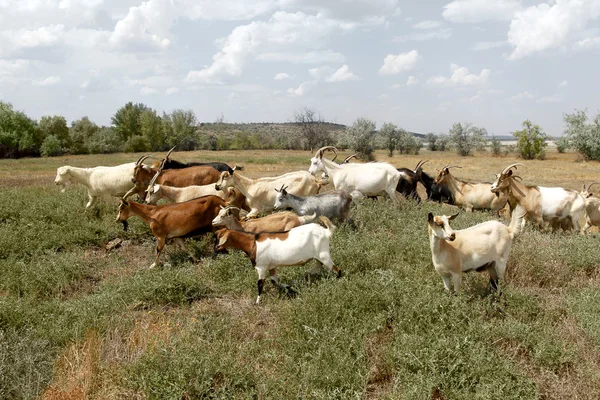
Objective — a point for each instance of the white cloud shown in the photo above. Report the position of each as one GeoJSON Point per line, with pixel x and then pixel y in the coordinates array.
{"type": "Point", "coordinates": [545, 26]}
{"type": "Point", "coordinates": [310, 57]}
{"type": "Point", "coordinates": [281, 76]}
{"type": "Point", "coordinates": [49, 81]}
{"type": "Point", "coordinates": [397, 86]}
{"type": "Point", "coordinates": [563, 84]}
{"type": "Point", "coordinates": [441, 33]}
{"type": "Point", "coordinates": [320, 72]}
{"type": "Point", "coordinates": [482, 46]}
{"type": "Point", "coordinates": [395, 64]}
{"type": "Point", "coordinates": [522, 96]}
{"type": "Point", "coordinates": [461, 77]}
{"type": "Point", "coordinates": [412, 81]}
{"type": "Point", "coordinates": [172, 90]}
{"type": "Point", "coordinates": [587, 43]}
{"type": "Point", "coordinates": [31, 44]}
{"type": "Point", "coordinates": [474, 11]}
{"type": "Point", "coordinates": [341, 75]}
{"type": "Point", "coordinates": [550, 99]}
{"type": "Point", "coordinates": [302, 89]}
{"type": "Point", "coordinates": [427, 24]}
{"type": "Point", "coordinates": [147, 91]}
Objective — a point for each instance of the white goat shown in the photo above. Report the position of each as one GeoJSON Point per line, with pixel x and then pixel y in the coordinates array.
{"type": "Point", "coordinates": [267, 251]}
{"type": "Point", "coordinates": [592, 208]}
{"type": "Point", "coordinates": [369, 179]}
{"type": "Point", "coordinates": [483, 247]}
{"type": "Point", "coordinates": [100, 181]}
{"type": "Point", "coordinates": [178, 195]}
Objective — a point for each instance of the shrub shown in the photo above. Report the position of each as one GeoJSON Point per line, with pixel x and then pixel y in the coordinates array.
{"type": "Point", "coordinates": [136, 144]}
{"type": "Point", "coordinates": [51, 147]}
{"type": "Point", "coordinates": [584, 137]}
{"type": "Point", "coordinates": [362, 133]}
{"type": "Point", "coordinates": [496, 146]}
{"type": "Point", "coordinates": [465, 139]}
{"type": "Point", "coordinates": [562, 144]}
{"type": "Point", "coordinates": [531, 141]}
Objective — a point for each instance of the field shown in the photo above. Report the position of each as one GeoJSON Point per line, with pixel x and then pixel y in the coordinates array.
{"type": "Point", "coordinates": [78, 321]}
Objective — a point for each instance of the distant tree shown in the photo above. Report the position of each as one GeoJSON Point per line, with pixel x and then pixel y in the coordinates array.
{"type": "Point", "coordinates": [431, 139]}
{"type": "Point", "coordinates": [19, 135]}
{"type": "Point", "coordinates": [151, 127]}
{"type": "Point", "coordinates": [466, 139]}
{"type": "Point", "coordinates": [180, 129]}
{"type": "Point", "coordinates": [531, 141]}
{"type": "Point", "coordinates": [106, 140]}
{"type": "Point", "coordinates": [55, 126]}
{"type": "Point", "coordinates": [51, 146]}
{"type": "Point", "coordinates": [496, 146]}
{"type": "Point", "coordinates": [584, 136]}
{"type": "Point", "coordinates": [407, 143]}
{"type": "Point", "coordinates": [312, 127]}
{"type": "Point", "coordinates": [81, 132]}
{"type": "Point", "coordinates": [443, 142]}
{"type": "Point", "coordinates": [390, 135]}
{"type": "Point", "coordinates": [362, 133]}
{"type": "Point", "coordinates": [126, 120]}
{"type": "Point", "coordinates": [562, 144]}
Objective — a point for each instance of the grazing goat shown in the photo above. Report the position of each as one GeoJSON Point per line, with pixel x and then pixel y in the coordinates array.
{"type": "Point", "coordinates": [436, 192]}
{"type": "Point", "coordinates": [267, 251]}
{"type": "Point", "coordinates": [555, 205]}
{"type": "Point", "coordinates": [278, 222]}
{"type": "Point", "coordinates": [169, 163]}
{"type": "Point", "coordinates": [333, 205]}
{"type": "Point", "coordinates": [100, 181]}
{"type": "Point", "coordinates": [259, 192]}
{"type": "Point", "coordinates": [483, 247]}
{"type": "Point", "coordinates": [592, 208]}
{"type": "Point", "coordinates": [369, 179]}
{"type": "Point", "coordinates": [174, 221]}
{"type": "Point", "coordinates": [471, 196]}
{"type": "Point", "coordinates": [144, 176]}
{"type": "Point", "coordinates": [407, 184]}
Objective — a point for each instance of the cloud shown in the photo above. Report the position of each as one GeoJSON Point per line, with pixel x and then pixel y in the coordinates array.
{"type": "Point", "coordinates": [461, 77]}
{"type": "Point", "coordinates": [302, 89]}
{"type": "Point", "coordinates": [563, 84]}
{"type": "Point", "coordinates": [475, 11]}
{"type": "Point", "coordinates": [341, 75]}
{"type": "Point", "coordinates": [36, 44]}
{"type": "Point", "coordinates": [171, 91]}
{"type": "Point", "coordinates": [49, 81]}
{"type": "Point", "coordinates": [522, 96]}
{"type": "Point", "coordinates": [587, 43]}
{"type": "Point", "coordinates": [395, 64]}
{"type": "Point", "coordinates": [550, 99]}
{"type": "Point", "coordinates": [427, 24]}
{"type": "Point", "coordinates": [281, 76]}
{"type": "Point", "coordinates": [412, 81]}
{"type": "Point", "coordinates": [544, 26]}
{"type": "Point", "coordinates": [147, 91]}
{"type": "Point", "coordinates": [310, 57]}
{"type": "Point", "coordinates": [482, 46]}
{"type": "Point", "coordinates": [441, 33]}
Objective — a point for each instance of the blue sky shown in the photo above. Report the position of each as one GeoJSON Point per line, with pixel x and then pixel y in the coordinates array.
{"type": "Point", "coordinates": [421, 65]}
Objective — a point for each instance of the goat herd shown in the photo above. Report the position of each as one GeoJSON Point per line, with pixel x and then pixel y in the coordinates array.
{"type": "Point", "coordinates": [208, 197]}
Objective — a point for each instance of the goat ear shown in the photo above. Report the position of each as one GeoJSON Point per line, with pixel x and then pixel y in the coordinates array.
{"type": "Point", "coordinates": [275, 189]}
{"type": "Point", "coordinates": [430, 218]}
{"type": "Point", "coordinates": [450, 218]}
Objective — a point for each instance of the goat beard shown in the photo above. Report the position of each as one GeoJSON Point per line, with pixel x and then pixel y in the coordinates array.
{"type": "Point", "coordinates": [125, 225]}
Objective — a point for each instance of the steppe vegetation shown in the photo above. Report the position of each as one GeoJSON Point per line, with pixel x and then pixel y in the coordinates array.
{"type": "Point", "coordinates": [79, 321]}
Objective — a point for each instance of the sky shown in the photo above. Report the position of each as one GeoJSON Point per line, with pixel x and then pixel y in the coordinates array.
{"type": "Point", "coordinates": [422, 65]}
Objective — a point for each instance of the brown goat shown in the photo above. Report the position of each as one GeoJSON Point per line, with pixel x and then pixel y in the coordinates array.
{"type": "Point", "coordinates": [278, 222]}
{"type": "Point", "coordinates": [174, 221]}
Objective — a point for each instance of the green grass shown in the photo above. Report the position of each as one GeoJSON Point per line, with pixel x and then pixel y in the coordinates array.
{"type": "Point", "coordinates": [386, 329]}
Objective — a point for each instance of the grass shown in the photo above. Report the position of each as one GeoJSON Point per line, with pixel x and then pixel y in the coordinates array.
{"type": "Point", "coordinates": [78, 321]}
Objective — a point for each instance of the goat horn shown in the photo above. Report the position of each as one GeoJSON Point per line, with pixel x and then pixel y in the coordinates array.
{"type": "Point", "coordinates": [319, 153]}
{"type": "Point", "coordinates": [452, 166]}
{"type": "Point", "coordinates": [505, 170]}
{"type": "Point", "coordinates": [333, 159]}
{"type": "Point", "coordinates": [518, 177]}
{"type": "Point", "coordinates": [129, 193]}
{"type": "Point", "coordinates": [233, 208]}
{"type": "Point", "coordinates": [169, 153]}
{"type": "Point", "coordinates": [141, 160]}
{"type": "Point", "coordinates": [155, 177]}
{"type": "Point", "coordinates": [420, 164]}
{"type": "Point", "coordinates": [590, 186]}
{"type": "Point", "coordinates": [350, 157]}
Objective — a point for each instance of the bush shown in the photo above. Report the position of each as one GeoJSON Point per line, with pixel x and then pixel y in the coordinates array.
{"type": "Point", "coordinates": [106, 140]}
{"type": "Point", "coordinates": [562, 144]}
{"type": "Point", "coordinates": [465, 139]}
{"type": "Point", "coordinates": [584, 137]}
{"type": "Point", "coordinates": [496, 147]}
{"type": "Point", "coordinates": [531, 141]}
{"type": "Point", "coordinates": [362, 133]}
{"type": "Point", "coordinates": [51, 147]}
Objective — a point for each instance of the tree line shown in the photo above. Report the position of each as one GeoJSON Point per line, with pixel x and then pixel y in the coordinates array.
{"type": "Point", "coordinates": [135, 127]}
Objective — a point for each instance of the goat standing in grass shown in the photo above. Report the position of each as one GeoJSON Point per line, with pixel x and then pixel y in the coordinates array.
{"type": "Point", "coordinates": [592, 207]}
{"type": "Point", "coordinates": [228, 217]}
{"type": "Point", "coordinates": [333, 205]}
{"type": "Point", "coordinates": [483, 247]}
{"type": "Point", "coordinates": [267, 251]}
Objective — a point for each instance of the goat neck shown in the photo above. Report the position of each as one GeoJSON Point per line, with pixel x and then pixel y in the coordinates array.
{"type": "Point", "coordinates": [242, 241]}
{"type": "Point", "coordinates": [79, 175]}
{"type": "Point", "coordinates": [144, 211]}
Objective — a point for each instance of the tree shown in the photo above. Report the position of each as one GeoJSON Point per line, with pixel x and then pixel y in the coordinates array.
{"type": "Point", "coordinates": [407, 143]}
{"type": "Point", "coordinates": [584, 136]}
{"type": "Point", "coordinates": [312, 128]}
{"type": "Point", "coordinates": [496, 146]}
{"type": "Point", "coordinates": [180, 129]}
{"type": "Point", "coordinates": [531, 141]}
{"type": "Point", "coordinates": [431, 141]}
{"type": "Point", "coordinates": [52, 146]}
{"type": "Point", "coordinates": [55, 126]}
{"type": "Point", "coordinates": [19, 135]}
{"type": "Point", "coordinates": [465, 139]}
{"type": "Point", "coordinates": [126, 120]}
{"type": "Point", "coordinates": [151, 127]}
{"type": "Point", "coordinates": [390, 134]}
{"type": "Point", "coordinates": [362, 133]}
{"type": "Point", "coordinates": [81, 132]}
{"type": "Point", "coordinates": [562, 144]}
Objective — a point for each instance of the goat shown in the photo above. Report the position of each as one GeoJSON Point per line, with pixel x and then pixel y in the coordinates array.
{"type": "Point", "coordinates": [278, 222]}
{"type": "Point", "coordinates": [259, 192]}
{"type": "Point", "coordinates": [483, 247]}
{"type": "Point", "coordinates": [407, 186]}
{"type": "Point", "coordinates": [173, 221]}
{"type": "Point", "coordinates": [436, 192]}
{"type": "Point", "coordinates": [543, 204]}
{"type": "Point", "coordinates": [369, 179]}
{"type": "Point", "coordinates": [471, 196]}
{"type": "Point", "coordinates": [144, 176]}
{"type": "Point", "coordinates": [267, 251]}
{"type": "Point", "coordinates": [333, 205]}
{"type": "Point", "coordinates": [592, 207]}
{"type": "Point", "coordinates": [100, 181]}
{"type": "Point", "coordinates": [169, 163]}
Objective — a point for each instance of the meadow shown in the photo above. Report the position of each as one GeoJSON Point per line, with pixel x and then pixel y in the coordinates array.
{"type": "Point", "coordinates": [78, 321]}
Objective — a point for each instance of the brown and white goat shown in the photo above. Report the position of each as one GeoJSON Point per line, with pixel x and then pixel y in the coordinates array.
{"type": "Point", "coordinates": [468, 195]}
{"type": "Point", "coordinates": [173, 221]}
{"type": "Point", "coordinates": [592, 207]}
{"type": "Point", "coordinates": [555, 205]}
{"type": "Point", "coordinates": [278, 222]}
{"type": "Point", "coordinates": [267, 251]}
{"type": "Point", "coordinates": [483, 247]}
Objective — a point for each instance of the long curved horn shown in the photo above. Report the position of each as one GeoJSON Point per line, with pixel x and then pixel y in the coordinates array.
{"type": "Point", "coordinates": [319, 153]}
{"type": "Point", "coordinates": [129, 193]}
{"type": "Point", "coordinates": [154, 178]}
{"type": "Point", "coordinates": [420, 164]}
{"type": "Point", "coordinates": [355, 155]}
{"type": "Point", "coordinates": [590, 186]}
{"type": "Point", "coordinates": [141, 160]}
{"type": "Point", "coordinates": [452, 166]}
{"type": "Point", "coordinates": [169, 153]}
{"type": "Point", "coordinates": [505, 170]}
{"type": "Point", "coordinates": [333, 159]}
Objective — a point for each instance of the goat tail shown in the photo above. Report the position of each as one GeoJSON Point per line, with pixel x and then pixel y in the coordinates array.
{"type": "Point", "coordinates": [517, 220]}
{"type": "Point", "coordinates": [308, 219]}
{"type": "Point", "coordinates": [325, 221]}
